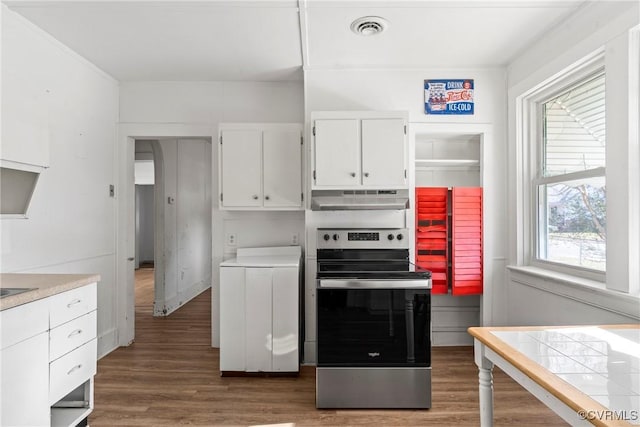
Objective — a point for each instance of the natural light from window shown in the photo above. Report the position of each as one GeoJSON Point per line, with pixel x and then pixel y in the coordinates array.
{"type": "Point", "coordinates": [571, 185]}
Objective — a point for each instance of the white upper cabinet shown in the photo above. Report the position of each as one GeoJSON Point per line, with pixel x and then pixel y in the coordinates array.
{"type": "Point", "coordinates": [241, 168]}
{"type": "Point", "coordinates": [282, 155]}
{"type": "Point", "coordinates": [359, 150]}
{"type": "Point", "coordinates": [383, 153]}
{"type": "Point", "coordinates": [260, 166]}
{"type": "Point", "coordinates": [337, 150]}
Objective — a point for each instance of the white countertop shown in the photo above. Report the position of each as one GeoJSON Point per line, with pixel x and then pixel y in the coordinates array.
{"type": "Point", "coordinates": [41, 285]}
{"type": "Point", "coordinates": [593, 370]}
{"type": "Point", "coordinates": [602, 362]}
{"type": "Point", "coordinates": [281, 256]}
{"type": "Point", "coordinates": [262, 261]}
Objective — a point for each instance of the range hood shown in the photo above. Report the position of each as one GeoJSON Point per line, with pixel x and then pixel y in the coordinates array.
{"type": "Point", "coordinates": [339, 200]}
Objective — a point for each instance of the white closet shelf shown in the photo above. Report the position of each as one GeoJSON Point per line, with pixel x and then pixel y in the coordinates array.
{"type": "Point", "coordinates": [431, 164]}
{"type": "Point", "coordinates": [447, 162]}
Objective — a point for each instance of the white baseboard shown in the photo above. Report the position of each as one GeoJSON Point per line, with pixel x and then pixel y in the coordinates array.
{"type": "Point", "coordinates": [107, 342]}
{"type": "Point", "coordinates": [451, 338]}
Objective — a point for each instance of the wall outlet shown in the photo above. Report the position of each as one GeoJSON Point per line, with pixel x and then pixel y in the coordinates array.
{"type": "Point", "coordinates": [231, 239]}
{"type": "Point", "coordinates": [294, 239]}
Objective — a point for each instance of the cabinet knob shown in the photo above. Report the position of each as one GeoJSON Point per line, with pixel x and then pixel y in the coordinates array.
{"type": "Point", "coordinates": [266, 197]}
{"type": "Point", "coordinates": [255, 197]}
{"type": "Point", "coordinates": [366, 174]}
{"type": "Point", "coordinates": [353, 174]}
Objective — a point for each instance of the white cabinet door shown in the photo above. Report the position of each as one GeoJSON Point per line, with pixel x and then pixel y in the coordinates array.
{"type": "Point", "coordinates": [258, 333]}
{"type": "Point", "coordinates": [285, 320]}
{"type": "Point", "coordinates": [23, 321]}
{"type": "Point", "coordinates": [24, 382]}
{"type": "Point", "coordinates": [383, 153]}
{"type": "Point", "coordinates": [241, 166]}
{"type": "Point", "coordinates": [337, 153]}
{"type": "Point", "coordinates": [282, 160]}
{"type": "Point", "coordinates": [232, 319]}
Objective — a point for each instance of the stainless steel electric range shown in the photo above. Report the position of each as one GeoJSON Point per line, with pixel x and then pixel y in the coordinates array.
{"type": "Point", "coordinates": [373, 321]}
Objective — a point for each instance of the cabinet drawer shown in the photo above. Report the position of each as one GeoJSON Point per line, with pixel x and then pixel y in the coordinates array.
{"type": "Point", "coordinates": [23, 322]}
{"type": "Point", "coordinates": [71, 304]}
{"type": "Point", "coordinates": [71, 335]}
{"type": "Point", "coordinates": [71, 370]}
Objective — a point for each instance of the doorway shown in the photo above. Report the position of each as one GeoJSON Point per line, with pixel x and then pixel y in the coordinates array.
{"type": "Point", "coordinates": [179, 250]}
{"type": "Point", "coordinates": [128, 133]}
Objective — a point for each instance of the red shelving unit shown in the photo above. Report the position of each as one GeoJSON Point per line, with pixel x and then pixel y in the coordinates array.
{"type": "Point", "coordinates": [457, 265]}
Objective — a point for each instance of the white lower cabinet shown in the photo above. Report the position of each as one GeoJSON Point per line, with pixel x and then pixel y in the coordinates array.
{"type": "Point", "coordinates": [73, 354]}
{"type": "Point", "coordinates": [232, 319]}
{"type": "Point", "coordinates": [48, 359]}
{"type": "Point", "coordinates": [258, 308]}
{"type": "Point", "coordinates": [24, 392]}
{"type": "Point", "coordinates": [259, 318]}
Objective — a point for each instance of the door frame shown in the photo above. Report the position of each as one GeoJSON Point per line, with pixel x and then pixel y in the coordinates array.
{"type": "Point", "coordinates": [124, 300]}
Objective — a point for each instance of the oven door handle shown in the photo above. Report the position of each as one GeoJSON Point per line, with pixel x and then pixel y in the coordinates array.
{"type": "Point", "coordinates": [374, 284]}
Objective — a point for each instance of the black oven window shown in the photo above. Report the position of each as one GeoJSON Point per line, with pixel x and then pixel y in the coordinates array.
{"type": "Point", "coordinates": [373, 327]}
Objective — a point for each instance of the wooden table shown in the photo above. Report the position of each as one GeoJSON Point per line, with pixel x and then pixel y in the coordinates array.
{"type": "Point", "coordinates": [588, 375]}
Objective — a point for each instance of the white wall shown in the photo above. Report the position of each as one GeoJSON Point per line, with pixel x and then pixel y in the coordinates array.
{"type": "Point", "coordinates": [72, 223]}
{"type": "Point", "coordinates": [397, 89]}
{"type": "Point", "coordinates": [159, 106]}
{"type": "Point", "coordinates": [597, 27]}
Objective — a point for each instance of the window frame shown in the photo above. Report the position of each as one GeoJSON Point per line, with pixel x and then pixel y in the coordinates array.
{"type": "Point", "coordinates": [532, 115]}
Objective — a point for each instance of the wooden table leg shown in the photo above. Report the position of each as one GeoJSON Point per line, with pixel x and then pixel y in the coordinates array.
{"type": "Point", "coordinates": [485, 377]}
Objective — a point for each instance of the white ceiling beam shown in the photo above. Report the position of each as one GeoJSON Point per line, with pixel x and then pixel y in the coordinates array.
{"type": "Point", "coordinates": [449, 4]}
{"type": "Point", "coordinates": [304, 33]}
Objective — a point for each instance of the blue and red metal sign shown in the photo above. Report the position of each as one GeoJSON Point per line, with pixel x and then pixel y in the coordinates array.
{"type": "Point", "coordinates": [448, 96]}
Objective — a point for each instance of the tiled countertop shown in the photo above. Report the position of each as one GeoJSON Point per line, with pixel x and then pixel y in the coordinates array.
{"type": "Point", "coordinates": [44, 285]}
{"type": "Point", "coordinates": [597, 365]}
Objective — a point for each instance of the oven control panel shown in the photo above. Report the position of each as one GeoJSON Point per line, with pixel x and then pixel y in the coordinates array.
{"type": "Point", "coordinates": [347, 238]}
{"type": "Point", "coordinates": [363, 236]}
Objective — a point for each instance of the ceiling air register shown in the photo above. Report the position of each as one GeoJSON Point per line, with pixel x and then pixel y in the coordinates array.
{"type": "Point", "coordinates": [369, 25]}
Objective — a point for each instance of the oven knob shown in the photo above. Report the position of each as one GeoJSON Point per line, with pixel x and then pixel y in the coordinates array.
{"type": "Point", "coordinates": [326, 237]}
{"type": "Point", "coordinates": [390, 237]}
{"type": "Point", "coordinates": [336, 237]}
{"type": "Point", "coordinates": [400, 237]}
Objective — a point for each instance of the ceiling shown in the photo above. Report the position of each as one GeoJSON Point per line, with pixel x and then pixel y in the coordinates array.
{"type": "Point", "coordinates": [271, 40]}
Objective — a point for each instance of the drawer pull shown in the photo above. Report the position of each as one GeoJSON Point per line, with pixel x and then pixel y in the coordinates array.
{"type": "Point", "coordinates": [76, 332]}
{"type": "Point", "coordinates": [75, 368]}
{"type": "Point", "coordinates": [74, 302]}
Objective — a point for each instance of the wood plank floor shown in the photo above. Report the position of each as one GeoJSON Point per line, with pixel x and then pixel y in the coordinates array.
{"type": "Point", "coordinates": [170, 376]}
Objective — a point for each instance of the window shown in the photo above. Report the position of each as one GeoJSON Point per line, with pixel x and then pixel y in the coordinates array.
{"type": "Point", "coordinates": [569, 184]}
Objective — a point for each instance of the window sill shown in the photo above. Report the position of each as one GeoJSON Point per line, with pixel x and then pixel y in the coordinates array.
{"type": "Point", "coordinates": [586, 291]}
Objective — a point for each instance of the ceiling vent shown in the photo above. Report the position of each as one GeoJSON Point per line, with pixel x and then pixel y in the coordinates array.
{"type": "Point", "coordinates": [369, 25]}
